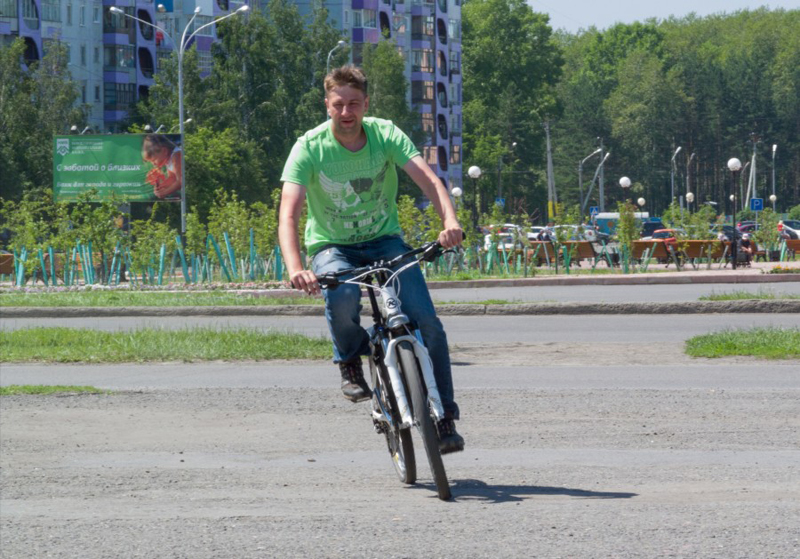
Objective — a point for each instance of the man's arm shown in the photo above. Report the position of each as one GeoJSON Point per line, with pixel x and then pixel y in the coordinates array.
{"type": "Point", "coordinates": [292, 199]}
{"type": "Point", "coordinates": [432, 187]}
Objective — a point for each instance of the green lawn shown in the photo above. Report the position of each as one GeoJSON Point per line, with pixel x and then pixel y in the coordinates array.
{"type": "Point", "coordinates": [68, 345]}
{"type": "Point", "coordinates": [744, 295]}
{"type": "Point", "coordinates": [768, 343]}
{"type": "Point", "coordinates": [17, 389]}
{"type": "Point", "coordinates": [120, 298]}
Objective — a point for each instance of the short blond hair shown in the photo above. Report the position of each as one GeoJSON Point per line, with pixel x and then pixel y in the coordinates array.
{"type": "Point", "coordinates": [346, 75]}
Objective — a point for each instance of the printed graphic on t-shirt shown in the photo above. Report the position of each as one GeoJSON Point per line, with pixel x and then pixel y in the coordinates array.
{"type": "Point", "coordinates": [359, 204]}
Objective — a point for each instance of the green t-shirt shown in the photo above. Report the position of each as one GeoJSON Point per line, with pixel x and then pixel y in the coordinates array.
{"type": "Point", "coordinates": [352, 196]}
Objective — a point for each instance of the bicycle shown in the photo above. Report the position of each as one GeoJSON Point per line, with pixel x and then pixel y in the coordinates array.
{"type": "Point", "coordinates": [399, 366]}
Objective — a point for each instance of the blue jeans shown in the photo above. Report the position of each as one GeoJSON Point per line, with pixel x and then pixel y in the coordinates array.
{"type": "Point", "coordinates": [343, 308]}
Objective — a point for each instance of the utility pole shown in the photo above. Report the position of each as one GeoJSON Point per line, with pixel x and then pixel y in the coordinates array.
{"type": "Point", "coordinates": [552, 197]}
{"type": "Point", "coordinates": [601, 190]}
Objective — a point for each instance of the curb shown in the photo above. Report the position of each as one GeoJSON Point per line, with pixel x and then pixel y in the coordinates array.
{"type": "Point", "coordinates": [639, 279]}
{"type": "Point", "coordinates": [778, 306]}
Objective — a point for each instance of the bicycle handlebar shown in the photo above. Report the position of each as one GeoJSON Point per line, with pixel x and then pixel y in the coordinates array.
{"type": "Point", "coordinates": [429, 252]}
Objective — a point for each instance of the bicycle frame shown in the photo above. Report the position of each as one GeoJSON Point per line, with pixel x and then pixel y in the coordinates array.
{"type": "Point", "coordinates": [391, 327]}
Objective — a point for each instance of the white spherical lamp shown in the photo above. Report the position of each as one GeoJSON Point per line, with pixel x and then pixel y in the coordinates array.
{"type": "Point", "coordinates": [734, 164]}
{"type": "Point", "coordinates": [689, 197]}
{"type": "Point", "coordinates": [625, 182]}
{"type": "Point", "coordinates": [773, 198]}
{"type": "Point", "coordinates": [474, 172]}
{"type": "Point", "coordinates": [641, 202]}
{"type": "Point", "coordinates": [456, 191]}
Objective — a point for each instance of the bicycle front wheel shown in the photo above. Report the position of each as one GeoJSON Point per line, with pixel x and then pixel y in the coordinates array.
{"type": "Point", "coordinates": [422, 416]}
{"type": "Point", "coordinates": [398, 441]}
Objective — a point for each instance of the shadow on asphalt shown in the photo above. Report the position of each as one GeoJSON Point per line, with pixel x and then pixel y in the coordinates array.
{"type": "Point", "coordinates": [473, 489]}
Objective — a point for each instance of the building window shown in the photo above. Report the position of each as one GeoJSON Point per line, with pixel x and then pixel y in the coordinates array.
{"type": "Point", "coordinates": [118, 96]}
{"type": "Point", "coordinates": [82, 15]}
{"type": "Point", "coordinates": [117, 23]}
{"type": "Point", "coordinates": [454, 29]}
{"type": "Point", "coordinates": [455, 62]}
{"type": "Point", "coordinates": [83, 55]}
{"type": "Point", "coordinates": [429, 154]}
{"type": "Point", "coordinates": [118, 56]}
{"type": "Point", "coordinates": [421, 60]}
{"type": "Point", "coordinates": [200, 21]}
{"type": "Point", "coordinates": [83, 93]}
{"type": "Point", "coordinates": [428, 125]}
{"type": "Point", "coordinates": [69, 14]}
{"type": "Point", "coordinates": [346, 18]}
{"type": "Point", "coordinates": [97, 93]}
{"type": "Point", "coordinates": [204, 60]}
{"type": "Point", "coordinates": [455, 124]}
{"type": "Point", "coordinates": [455, 154]}
{"type": "Point", "coordinates": [8, 9]}
{"type": "Point", "coordinates": [367, 19]}
{"type": "Point", "coordinates": [399, 23]}
{"type": "Point", "coordinates": [51, 9]}
{"type": "Point", "coordinates": [422, 91]}
{"type": "Point", "coordinates": [455, 93]}
{"type": "Point", "coordinates": [96, 14]}
{"type": "Point", "coordinates": [97, 55]}
{"type": "Point", "coordinates": [421, 27]}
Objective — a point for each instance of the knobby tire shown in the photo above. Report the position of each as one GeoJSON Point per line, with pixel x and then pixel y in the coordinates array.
{"type": "Point", "coordinates": [422, 415]}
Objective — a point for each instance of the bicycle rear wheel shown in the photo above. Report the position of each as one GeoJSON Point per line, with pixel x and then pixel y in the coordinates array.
{"type": "Point", "coordinates": [422, 415]}
{"type": "Point", "coordinates": [398, 441]}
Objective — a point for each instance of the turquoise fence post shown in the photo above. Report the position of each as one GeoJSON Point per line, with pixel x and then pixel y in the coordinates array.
{"type": "Point", "coordinates": [44, 269]}
{"type": "Point", "coordinates": [90, 260]}
{"type": "Point", "coordinates": [19, 265]}
{"type": "Point", "coordinates": [161, 261]}
{"type": "Point", "coordinates": [252, 254]}
{"type": "Point", "coordinates": [179, 244]}
{"type": "Point", "coordinates": [52, 256]}
{"type": "Point", "coordinates": [219, 256]}
{"type": "Point", "coordinates": [110, 279]}
{"type": "Point", "coordinates": [278, 264]}
{"type": "Point", "coordinates": [231, 254]}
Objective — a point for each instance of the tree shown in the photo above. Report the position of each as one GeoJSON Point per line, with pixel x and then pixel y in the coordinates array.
{"type": "Point", "coordinates": [508, 87]}
{"type": "Point", "coordinates": [37, 101]}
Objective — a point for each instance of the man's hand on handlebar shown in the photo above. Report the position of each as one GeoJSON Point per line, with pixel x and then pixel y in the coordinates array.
{"type": "Point", "coordinates": [305, 280]}
{"type": "Point", "coordinates": [451, 236]}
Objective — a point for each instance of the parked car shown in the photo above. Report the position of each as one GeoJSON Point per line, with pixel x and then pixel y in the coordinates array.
{"type": "Point", "coordinates": [747, 226]}
{"type": "Point", "coordinates": [507, 235]}
{"type": "Point", "coordinates": [728, 230]}
{"type": "Point", "coordinates": [648, 228]}
{"type": "Point", "coordinates": [789, 229]}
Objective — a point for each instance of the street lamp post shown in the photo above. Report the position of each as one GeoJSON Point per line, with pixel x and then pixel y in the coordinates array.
{"type": "Point", "coordinates": [773, 197]}
{"type": "Point", "coordinates": [580, 171]}
{"type": "Point", "coordinates": [672, 174]}
{"type": "Point", "coordinates": [689, 200]}
{"type": "Point", "coordinates": [474, 173]}
{"type": "Point", "coordinates": [735, 166]}
{"type": "Point", "coordinates": [181, 51]}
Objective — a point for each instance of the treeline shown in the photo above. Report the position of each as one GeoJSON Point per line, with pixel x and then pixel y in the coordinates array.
{"type": "Point", "coordinates": [714, 86]}
{"type": "Point", "coordinates": [644, 89]}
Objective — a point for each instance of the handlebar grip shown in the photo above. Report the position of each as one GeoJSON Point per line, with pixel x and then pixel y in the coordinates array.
{"type": "Point", "coordinates": [328, 280]}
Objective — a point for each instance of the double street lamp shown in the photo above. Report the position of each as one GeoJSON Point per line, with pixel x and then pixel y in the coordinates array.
{"type": "Point", "coordinates": [474, 173]}
{"type": "Point", "coordinates": [185, 41]}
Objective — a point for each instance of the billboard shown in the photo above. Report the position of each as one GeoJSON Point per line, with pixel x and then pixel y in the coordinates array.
{"type": "Point", "coordinates": [134, 167]}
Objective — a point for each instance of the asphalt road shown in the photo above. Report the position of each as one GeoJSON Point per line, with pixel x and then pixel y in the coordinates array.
{"type": "Point", "coordinates": [663, 293]}
{"type": "Point", "coordinates": [587, 436]}
{"type": "Point", "coordinates": [640, 329]}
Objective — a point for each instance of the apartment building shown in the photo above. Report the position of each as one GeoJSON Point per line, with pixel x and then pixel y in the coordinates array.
{"type": "Point", "coordinates": [112, 57]}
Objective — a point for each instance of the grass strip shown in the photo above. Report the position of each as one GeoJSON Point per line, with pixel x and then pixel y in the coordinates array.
{"type": "Point", "coordinates": [146, 299]}
{"type": "Point", "coordinates": [71, 345]}
{"type": "Point", "coordinates": [17, 389]}
{"type": "Point", "coordinates": [746, 295]}
{"type": "Point", "coordinates": [768, 343]}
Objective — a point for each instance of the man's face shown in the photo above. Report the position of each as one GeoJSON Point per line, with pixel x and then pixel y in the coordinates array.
{"type": "Point", "coordinates": [346, 106]}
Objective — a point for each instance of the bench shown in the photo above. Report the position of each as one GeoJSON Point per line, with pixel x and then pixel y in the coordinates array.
{"type": "Point", "coordinates": [643, 251]}
{"type": "Point", "coordinates": [543, 252]}
{"type": "Point", "coordinates": [789, 246]}
{"type": "Point", "coordinates": [584, 250]}
{"type": "Point", "coordinates": [694, 250]}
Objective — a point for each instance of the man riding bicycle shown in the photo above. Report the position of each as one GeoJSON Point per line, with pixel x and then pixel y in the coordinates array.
{"type": "Point", "coordinates": [346, 168]}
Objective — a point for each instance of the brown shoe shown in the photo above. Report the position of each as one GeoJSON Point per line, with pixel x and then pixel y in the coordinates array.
{"type": "Point", "coordinates": [354, 387]}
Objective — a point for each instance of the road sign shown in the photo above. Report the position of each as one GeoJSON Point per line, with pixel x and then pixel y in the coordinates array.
{"type": "Point", "coordinates": [594, 210]}
{"type": "Point", "coordinates": [757, 204]}
{"type": "Point", "coordinates": [500, 202]}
